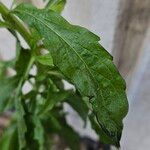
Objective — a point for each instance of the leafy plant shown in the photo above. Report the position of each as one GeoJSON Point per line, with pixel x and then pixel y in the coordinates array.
{"type": "Point", "coordinates": [59, 51]}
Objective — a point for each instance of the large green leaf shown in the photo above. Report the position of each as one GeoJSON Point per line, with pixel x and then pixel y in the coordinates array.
{"type": "Point", "coordinates": [79, 56]}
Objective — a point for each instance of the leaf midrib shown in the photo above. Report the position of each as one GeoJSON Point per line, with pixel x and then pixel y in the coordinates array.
{"type": "Point", "coordinates": [67, 44]}
{"type": "Point", "coordinates": [86, 65]}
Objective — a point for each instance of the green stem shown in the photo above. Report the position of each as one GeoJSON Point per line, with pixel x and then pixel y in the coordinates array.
{"type": "Point", "coordinates": [14, 21]}
{"type": "Point", "coordinates": [24, 77]}
{"type": "Point", "coordinates": [50, 3]}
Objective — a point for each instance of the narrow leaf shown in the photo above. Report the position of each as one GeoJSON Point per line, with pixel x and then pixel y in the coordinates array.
{"type": "Point", "coordinates": [21, 124]}
{"type": "Point", "coordinates": [21, 63]}
{"type": "Point", "coordinates": [38, 132]}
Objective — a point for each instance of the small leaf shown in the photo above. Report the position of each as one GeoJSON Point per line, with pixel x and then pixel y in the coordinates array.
{"type": "Point", "coordinates": [46, 60]}
{"type": "Point", "coordinates": [52, 99]}
{"type": "Point", "coordinates": [56, 5]}
{"type": "Point", "coordinates": [103, 136]}
{"type": "Point", "coordinates": [38, 132]}
{"type": "Point", "coordinates": [21, 63]}
{"type": "Point", "coordinates": [9, 139]}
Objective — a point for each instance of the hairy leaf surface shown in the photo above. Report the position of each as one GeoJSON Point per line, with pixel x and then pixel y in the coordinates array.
{"type": "Point", "coordinates": [86, 64]}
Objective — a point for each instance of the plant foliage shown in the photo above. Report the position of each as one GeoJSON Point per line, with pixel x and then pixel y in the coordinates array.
{"type": "Point", "coordinates": [73, 54]}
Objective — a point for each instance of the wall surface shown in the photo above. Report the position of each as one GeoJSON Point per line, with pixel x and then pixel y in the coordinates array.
{"type": "Point", "coordinates": [105, 19]}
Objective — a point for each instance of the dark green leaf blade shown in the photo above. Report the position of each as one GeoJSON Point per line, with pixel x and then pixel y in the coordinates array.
{"type": "Point", "coordinates": [102, 135]}
{"type": "Point", "coordinates": [79, 56]}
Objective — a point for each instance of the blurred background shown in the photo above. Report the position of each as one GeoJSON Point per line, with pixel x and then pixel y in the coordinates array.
{"type": "Point", "coordinates": [124, 28]}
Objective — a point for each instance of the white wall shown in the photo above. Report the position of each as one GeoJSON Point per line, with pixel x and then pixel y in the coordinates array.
{"type": "Point", "coordinates": [97, 15]}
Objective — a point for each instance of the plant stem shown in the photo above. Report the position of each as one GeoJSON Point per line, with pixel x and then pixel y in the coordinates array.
{"type": "Point", "coordinates": [23, 78]}
{"type": "Point", "coordinates": [5, 25]}
{"type": "Point", "coordinates": [14, 21]}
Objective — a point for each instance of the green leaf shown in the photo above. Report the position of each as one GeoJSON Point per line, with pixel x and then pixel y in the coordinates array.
{"type": "Point", "coordinates": [56, 5]}
{"type": "Point", "coordinates": [21, 63]}
{"type": "Point", "coordinates": [9, 139]}
{"type": "Point", "coordinates": [2, 70]}
{"type": "Point", "coordinates": [46, 60]}
{"type": "Point", "coordinates": [60, 126]}
{"type": "Point", "coordinates": [21, 124]}
{"type": "Point", "coordinates": [7, 87]}
{"type": "Point", "coordinates": [52, 99]}
{"type": "Point", "coordinates": [38, 132]}
{"type": "Point", "coordinates": [71, 137]}
{"type": "Point", "coordinates": [78, 104]}
{"type": "Point", "coordinates": [103, 136]}
{"type": "Point", "coordinates": [86, 64]}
